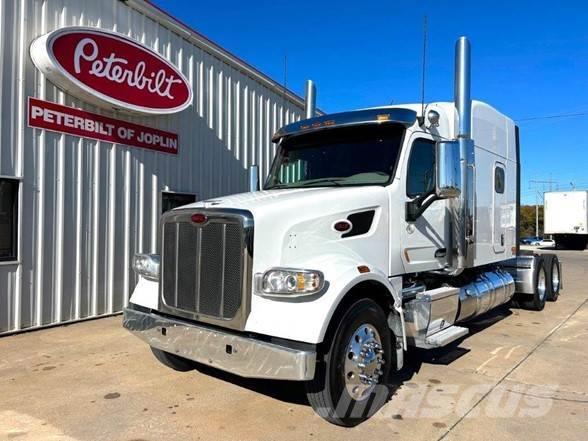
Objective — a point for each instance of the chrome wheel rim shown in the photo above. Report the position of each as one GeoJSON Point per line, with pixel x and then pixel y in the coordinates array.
{"type": "Point", "coordinates": [555, 278]}
{"type": "Point", "coordinates": [541, 284]}
{"type": "Point", "coordinates": [364, 359]}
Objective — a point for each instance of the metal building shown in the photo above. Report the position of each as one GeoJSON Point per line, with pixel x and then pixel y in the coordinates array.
{"type": "Point", "coordinates": [74, 210]}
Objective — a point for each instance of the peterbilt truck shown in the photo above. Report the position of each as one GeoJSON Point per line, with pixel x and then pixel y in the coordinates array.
{"type": "Point", "coordinates": [376, 231]}
{"type": "Point", "coordinates": [566, 218]}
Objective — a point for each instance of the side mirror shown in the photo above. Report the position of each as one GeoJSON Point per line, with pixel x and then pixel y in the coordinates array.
{"type": "Point", "coordinates": [254, 178]}
{"type": "Point", "coordinates": [448, 172]}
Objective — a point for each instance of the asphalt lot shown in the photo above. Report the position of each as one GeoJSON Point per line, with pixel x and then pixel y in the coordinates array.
{"type": "Point", "coordinates": [519, 375]}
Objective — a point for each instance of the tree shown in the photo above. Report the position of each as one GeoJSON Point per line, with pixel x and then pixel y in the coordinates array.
{"type": "Point", "coordinates": [528, 220]}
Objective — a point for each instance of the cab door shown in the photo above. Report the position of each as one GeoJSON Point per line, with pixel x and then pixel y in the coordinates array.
{"type": "Point", "coordinates": [423, 245]}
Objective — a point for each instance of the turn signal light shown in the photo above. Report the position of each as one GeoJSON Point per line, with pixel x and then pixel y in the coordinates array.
{"type": "Point", "coordinates": [199, 218]}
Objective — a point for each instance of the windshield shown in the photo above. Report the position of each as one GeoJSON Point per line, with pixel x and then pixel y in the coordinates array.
{"type": "Point", "coordinates": [337, 157]}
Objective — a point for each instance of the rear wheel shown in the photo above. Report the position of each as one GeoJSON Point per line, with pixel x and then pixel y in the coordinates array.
{"type": "Point", "coordinates": [173, 361]}
{"type": "Point", "coordinates": [350, 383]}
{"type": "Point", "coordinates": [536, 302]}
{"type": "Point", "coordinates": [553, 276]}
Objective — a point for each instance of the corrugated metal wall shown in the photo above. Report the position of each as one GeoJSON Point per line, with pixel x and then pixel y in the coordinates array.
{"type": "Point", "coordinates": [85, 207]}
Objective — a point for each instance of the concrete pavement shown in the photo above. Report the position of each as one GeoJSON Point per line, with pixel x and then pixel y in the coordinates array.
{"type": "Point", "coordinates": [519, 375]}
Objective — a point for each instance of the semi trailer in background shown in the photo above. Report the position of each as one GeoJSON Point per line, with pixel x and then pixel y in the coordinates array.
{"type": "Point", "coordinates": [376, 231]}
{"type": "Point", "coordinates": [566, 218]}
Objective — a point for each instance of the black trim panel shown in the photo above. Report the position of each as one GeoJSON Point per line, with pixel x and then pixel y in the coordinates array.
{"type": "Point", "coordinates": [362, 222]}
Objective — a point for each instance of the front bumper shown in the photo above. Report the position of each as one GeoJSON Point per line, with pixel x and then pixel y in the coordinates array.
{"type": "Point", "coordinates": [244, 356]}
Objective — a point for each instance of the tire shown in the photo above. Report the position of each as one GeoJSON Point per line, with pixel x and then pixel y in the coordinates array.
{"type": "Point", "coordinates": [337, 393]}
{"type": "Point", "coordinates": [173, 361]}
{"type": "Point", "coordinates": [536, 302]}
{"type": "Point", "coordinates": [553, 276]}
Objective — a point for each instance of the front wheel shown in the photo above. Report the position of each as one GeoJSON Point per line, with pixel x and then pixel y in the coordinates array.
{"type": "Point", "coordinates": [350, 383]}
{"type": "Point", "coordinates": [173, 361]}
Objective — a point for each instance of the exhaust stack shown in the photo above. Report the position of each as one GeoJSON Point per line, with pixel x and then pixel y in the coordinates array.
{"type": "Point", "coordinates": [465, 222]}
{"type": "Point", "coordinates": [463, 102]}
{"type": "Point", "coordinates": [310, 100]}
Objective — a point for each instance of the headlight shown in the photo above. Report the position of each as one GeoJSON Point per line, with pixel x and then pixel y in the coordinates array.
{"type": "Point", "coordinates": [147, 265]}
{"type": "Point", "coordinates": [289, 282]}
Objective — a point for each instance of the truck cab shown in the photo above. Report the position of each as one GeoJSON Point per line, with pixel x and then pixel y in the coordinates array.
{"type": "Point", "coordinates": [375, 230]}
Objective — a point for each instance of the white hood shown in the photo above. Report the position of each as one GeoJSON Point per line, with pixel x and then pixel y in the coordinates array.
{"type": "Point", "coordinates": [292, 226]}
{"type": "Point", "coordinates": [262, 200]}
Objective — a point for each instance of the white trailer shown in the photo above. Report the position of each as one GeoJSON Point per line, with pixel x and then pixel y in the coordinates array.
{"type": "Point", "coordinates": [377, 230]}
{"type": "Point", "coordinates": [566, 218]}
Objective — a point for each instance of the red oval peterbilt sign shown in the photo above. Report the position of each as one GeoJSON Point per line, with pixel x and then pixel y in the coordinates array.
{"type": "Point", "coordinates": [111, 70]}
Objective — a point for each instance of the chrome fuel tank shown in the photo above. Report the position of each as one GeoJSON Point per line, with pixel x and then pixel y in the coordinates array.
{"type": "Point", "coordinates": [489, 290]}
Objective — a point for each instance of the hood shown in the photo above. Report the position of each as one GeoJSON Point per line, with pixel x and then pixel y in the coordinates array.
{"type": "Point", "coordinates": [306, 199]}
{"type": "Point", "coordinates": [294, 227]}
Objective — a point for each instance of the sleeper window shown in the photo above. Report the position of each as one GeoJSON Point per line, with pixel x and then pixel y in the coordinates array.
{"type": "Point", "coordinates": [499, 179]}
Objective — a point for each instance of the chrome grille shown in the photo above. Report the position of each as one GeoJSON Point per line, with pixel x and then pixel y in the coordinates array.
{"type": "Point", "coordinates": [203, 266]}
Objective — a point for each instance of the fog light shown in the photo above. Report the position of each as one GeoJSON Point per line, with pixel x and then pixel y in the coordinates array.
{"type": "Point", "coordinates": [147, 265]}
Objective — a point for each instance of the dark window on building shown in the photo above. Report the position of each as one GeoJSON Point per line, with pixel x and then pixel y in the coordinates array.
{"type": "Point", "coordinates": [420, 177]}
{"type": "Point", "coordinates": [499, 179]}
{"type": "Point", "coordinates": [171, 200]}
{"type": "Point", "coordinates": [8, 218]}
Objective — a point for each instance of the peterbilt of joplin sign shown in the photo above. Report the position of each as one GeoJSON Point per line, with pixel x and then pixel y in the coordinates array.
{"type": "Point", "coordinates": [111, 70]}
{"type": "Point", "coordinates": [77, 122]}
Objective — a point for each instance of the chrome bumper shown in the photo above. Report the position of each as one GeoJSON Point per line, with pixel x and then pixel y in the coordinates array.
{"type": "Point", "coordinates": [229, 352]}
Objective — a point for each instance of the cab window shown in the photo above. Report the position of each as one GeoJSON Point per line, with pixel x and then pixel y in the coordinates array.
{"type": "Point", "coordinates": [420, 177]}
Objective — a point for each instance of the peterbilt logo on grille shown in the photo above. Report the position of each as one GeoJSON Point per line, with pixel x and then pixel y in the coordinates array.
{"type": "Point", "coordinates": [111, 70]}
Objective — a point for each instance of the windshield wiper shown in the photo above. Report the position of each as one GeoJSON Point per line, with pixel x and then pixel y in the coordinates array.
{"type": "Point", "coordinates": [336, 181]}
{"type": "Point", "coordinates": [277, 186]}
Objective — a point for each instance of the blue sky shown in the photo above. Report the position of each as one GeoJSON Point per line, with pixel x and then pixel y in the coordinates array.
{"type": "Point", "coordinates": [530, 59]}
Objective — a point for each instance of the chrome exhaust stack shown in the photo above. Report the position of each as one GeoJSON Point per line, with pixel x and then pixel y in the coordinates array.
{"type": "Point", "coordinates": [310, 100]}
{"type": "Point", "coordinates": [464, 225]}
{"type": "Point", "coordinates": [462, 98]}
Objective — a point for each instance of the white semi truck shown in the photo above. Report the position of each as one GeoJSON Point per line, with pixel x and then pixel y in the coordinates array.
{"type": "Point", "coordinates": [565, 217]}
{"type": "Point", "coordinates": [377, 230]}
